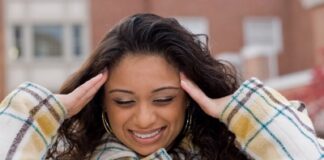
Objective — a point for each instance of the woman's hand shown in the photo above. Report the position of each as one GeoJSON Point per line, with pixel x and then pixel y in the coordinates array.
{"type": "Point", "coordinates": [212, 107]}
{"type": "Point", "coordinates": [80, 96]}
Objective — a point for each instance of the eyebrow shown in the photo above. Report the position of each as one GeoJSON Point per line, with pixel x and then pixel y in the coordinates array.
{"type": "Point", "coordinates": [121, 90]}
{"type": "Point", "coordinates": [164, 88]}
{"type": "Point", "coordinates": [154, 91]}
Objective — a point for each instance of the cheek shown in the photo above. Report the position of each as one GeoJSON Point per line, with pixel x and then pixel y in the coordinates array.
{"type": "Point", "coordinates": [175, 115]}
{"type": "Point", "coordinates": [116, 117]}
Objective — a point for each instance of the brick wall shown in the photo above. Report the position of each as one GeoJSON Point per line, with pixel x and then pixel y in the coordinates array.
{"type": "Point", "coordinates": [106, 13]}
{"type": "Point", "coordinates": [225, 23]}
{"type": "Point", "coordinates": [317, 20]}
{"type": "Point", "coordinates": [298, 39]}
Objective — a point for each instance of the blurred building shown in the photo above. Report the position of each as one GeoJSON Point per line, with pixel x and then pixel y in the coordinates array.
{"type": "Point", "coordinates": [44, 40]}
{"type": "Point", "coordinates": [277, 30]}
{"type": "Point", "coordinates": [279, 41]}
{"type": "Point", "coordinates": [2, 52]}
{"type": "Point", "coordinates": [274, 40]}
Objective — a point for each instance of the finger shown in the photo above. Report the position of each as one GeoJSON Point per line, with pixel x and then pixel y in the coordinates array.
{"type": "Point", "coordinates": [80, 91]}
{"type": "Point", "coordinates": [86, 91]}
{"type": "Point", "coordinates": [94, 89]}
{"type": "Point", "coordinates": [198, 95]}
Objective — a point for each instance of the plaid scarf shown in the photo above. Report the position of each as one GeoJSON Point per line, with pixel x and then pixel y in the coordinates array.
{"type": "Point", "coordinates": [266, 125]}
{"type": "Point", "coordinates": [115, 150]}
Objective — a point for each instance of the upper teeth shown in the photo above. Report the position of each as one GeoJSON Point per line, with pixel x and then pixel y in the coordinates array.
{"type": "Point", "coordinates": [148, 135]}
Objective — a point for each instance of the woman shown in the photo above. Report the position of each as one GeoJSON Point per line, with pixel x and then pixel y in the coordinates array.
{"type": "Point", "coordinates": [165, 97]}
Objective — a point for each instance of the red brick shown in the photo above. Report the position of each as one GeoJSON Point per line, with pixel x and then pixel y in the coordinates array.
{"type": "Point", "coordinates": [225, 23]}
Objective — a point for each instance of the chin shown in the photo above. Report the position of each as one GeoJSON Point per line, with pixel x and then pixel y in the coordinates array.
{"type": "Point", "coordinates": [146, 152]}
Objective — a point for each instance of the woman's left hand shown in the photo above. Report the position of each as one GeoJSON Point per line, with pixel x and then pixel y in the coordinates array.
{"type": "Point", "coordinates": [212, 107]}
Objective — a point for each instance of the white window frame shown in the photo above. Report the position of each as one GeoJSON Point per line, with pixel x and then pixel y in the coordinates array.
{"type": "Point", "coordinates": [271, 50]}
{"type": "Point", "coordinates": [27, 24]}
{"type": "Point", "coordinates": [196, 25]}
{"type": "Point", "coordinates": [311, 3]}
{"type": "Point", "coordinates": [251, 25]}
{"type": "Point", "coordinates": [49, 72]}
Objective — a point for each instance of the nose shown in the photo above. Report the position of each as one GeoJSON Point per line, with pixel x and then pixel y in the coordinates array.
{"type": "Point", "coordinates": [145, 116]}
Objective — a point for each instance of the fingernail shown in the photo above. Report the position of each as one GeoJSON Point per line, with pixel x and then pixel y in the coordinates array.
{"type": "Point", "coordinates": [100, 75]}
{"type": "Point", "coordinates": [184, 82]}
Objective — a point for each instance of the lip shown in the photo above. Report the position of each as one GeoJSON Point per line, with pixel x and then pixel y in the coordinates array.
{"type": "Point", "coordinates": [147, 137]}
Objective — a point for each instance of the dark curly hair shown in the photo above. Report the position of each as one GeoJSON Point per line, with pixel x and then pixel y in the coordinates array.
{"type": "Point", "coordinates": [152, 34]}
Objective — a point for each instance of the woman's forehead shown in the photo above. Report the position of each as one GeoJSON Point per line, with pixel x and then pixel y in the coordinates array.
{"type": "Point", "coordinates": [143, 62]}
{"type": "Point", "coordinates": [144, 71]}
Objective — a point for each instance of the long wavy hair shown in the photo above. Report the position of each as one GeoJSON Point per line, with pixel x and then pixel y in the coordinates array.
{"type": "Point", "coordinates": [151, 34]}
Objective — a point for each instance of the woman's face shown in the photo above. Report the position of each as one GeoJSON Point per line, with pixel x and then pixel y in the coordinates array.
{"type": "Point", "coordinates": [144, 103]}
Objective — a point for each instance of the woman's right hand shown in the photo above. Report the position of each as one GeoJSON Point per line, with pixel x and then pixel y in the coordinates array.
{"type": "Point", "coordinates": [79, 97]}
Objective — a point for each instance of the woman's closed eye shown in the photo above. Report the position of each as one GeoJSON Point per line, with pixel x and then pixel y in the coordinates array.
{"type": "Point", "coordinates": [124, 102]}
{"type": "Point", "coordinates": [163, 101]}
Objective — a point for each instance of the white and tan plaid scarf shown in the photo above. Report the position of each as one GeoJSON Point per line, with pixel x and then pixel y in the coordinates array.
{"type": "Point", "coordinates": [266, 124]}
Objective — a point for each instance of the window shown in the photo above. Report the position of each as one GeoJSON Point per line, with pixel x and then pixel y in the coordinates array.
{"type": "Point", "coordinates": [311, 3]}
{"type": "Point", "coordinates": [48, 41]}
{"type": "Point", "coordinates": [77, 31]}
{"type": "Point", "coordinates": [44, 39]}
{"type": "Point", "coordinates": [16, 50]}
{"type": "Point", "coordinates": [196, 25]}
{"type": "Point", "coordinates": [40, 30]}
{"type": "Point", "coordinates": [263, 32]}
{"type": "Point", "coordinates": [262, 42]}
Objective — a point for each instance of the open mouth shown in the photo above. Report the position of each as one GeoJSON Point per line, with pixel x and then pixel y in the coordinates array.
{"type": "Point", "coordinates": [147, 137]}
